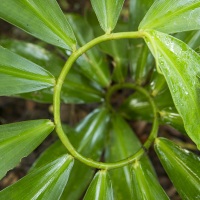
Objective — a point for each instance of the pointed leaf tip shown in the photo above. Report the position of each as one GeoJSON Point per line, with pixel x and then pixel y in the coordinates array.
{"type": "Point", "coordinates": [146, 184]}
{"type": "Point", "coordinates": [21, 75]}
{"type": "Point", "coordinates": [42, 19]}
{"type": "Point", "coordinates": [107, 12]}
{"type": "Point", "coordinates": [93, 63]}
{"type": "Point", "coordinates": [100, 187]}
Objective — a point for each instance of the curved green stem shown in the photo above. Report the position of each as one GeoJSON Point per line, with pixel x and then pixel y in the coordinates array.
{"type": "Point", "coordinates": [56, 104]}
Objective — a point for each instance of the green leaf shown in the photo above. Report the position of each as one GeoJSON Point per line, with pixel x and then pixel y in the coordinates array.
{"type": "Point", "coordinates": [117, 49]}
{"type": "Point", "coordinates": [92, 20]}
{"type": "Point", "coordinates": [79, 180]}
{"type": "Point", "coordinates": [170, 116]}
{"type": "Point", "coordinates": [35, 53]}
{"type": "Point", "coordinates": [167, 111]}
{"type": "Point", "coordinates": [46, 182]}
{"type": "Point", "coordinates": [146, 186]}
{"type": "Point", "coordinates": [107, 12]}
{"type": "Point", "coordinates": [80, 175]}
{"type": "Point", "coordinates": [100, 187]}
{"type": "Point", "coordinates": [18, 140]}
{"type": "Point", "coordinates": [191, 38]}
{"type": "Point", "coordinates": [88, 138]}
{"type": "Point", "coordinates": [79, 89]}
{"type": "Point", "coordinates": [180, 66]}
{"type": "Point", "coordinates": [91, 133]}
{"type": "Point", "coordinates": [171, 16]}
{"type": "Point", "coordinates": [139, 56]}
{"type": "Point", "coordinates": [141, 62]}
{"type": "Point", "coordinates": [20, 75]}
{"type": "Point", "coordinates": [136, 106]}
{"type": "Point", "coordinates": [53, 152]}
{"type": "Point", "coordinates": [138, 9]}
{"type": "Point", "coordinates": [198, 49]}
{"type": "Point", "coordinates": [122, 144]}
{"type": "Point", "coordinates": [182, 167]}
{"type": "Point", "coordinates": [92, 63]}
{"type": "Point", "coordinates": [42, 19]}
{"type": "Point", "coordinates": [76, 87]}
{"type": "Point", "coordinates": [157, 84]}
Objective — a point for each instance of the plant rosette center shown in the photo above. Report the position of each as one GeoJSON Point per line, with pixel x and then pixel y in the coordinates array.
{"type": "Point", "coordinates": [65, 140]}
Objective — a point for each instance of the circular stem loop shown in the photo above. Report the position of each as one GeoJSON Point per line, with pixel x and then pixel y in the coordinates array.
{"type": "Point", "coordinates": [56, 103]}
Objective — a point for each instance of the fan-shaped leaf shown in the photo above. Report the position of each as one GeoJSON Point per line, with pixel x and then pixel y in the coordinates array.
{"type": "Point", "coordinates": [146, 186]}
{"type": "Point", "coordinates": [100, 187]}
{"type": "Point", "coordinates": [46, 182]}
{"type": "Point", "coordinates": [172, 16]}
{"type": "Point", "coordinates": [42, 19]}
{"type": "Point", "coordinates": [20, 75]}
{"type": "Point", "coordinates": [182, 167]}
{"type": "Point", "coordinates": [181, 67]}
{"type": "Point", "coordinates": [18, 140]}
{"type": "Point", "coordinates": [107, 12]}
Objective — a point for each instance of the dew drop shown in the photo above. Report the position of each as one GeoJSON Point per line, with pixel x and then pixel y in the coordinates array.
{"type": "Point", "coordinates": [68, 52]}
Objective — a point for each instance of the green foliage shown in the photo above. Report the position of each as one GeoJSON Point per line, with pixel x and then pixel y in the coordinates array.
{"type": "Point", "coordinates": [171, 16]}
{"type": "Point", "coordinates": [146, 184]}
{"type": "Point", "coordinates": [180, 66]}
{"type": "Point", "coordinates": [28, 15]}
{"type": "Point", "coordinates": [20, 139]}
{"type": "Point", "coordinates": [47, 182]}
{"type": "Point", "coordinates": [122, 144]}
{"type": "Point", "coordinates": [93, 63]}
{"type": "Point", "coordinates": [101, 157]}
{"type": "Point", "coordinates": [180, 165]}
{"type": "Point", "coordinates": [20, 75]}
{"type": "Point", "coordinates": [100, 187]}
{"type": "Point", "coordinates": [107, 12]}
